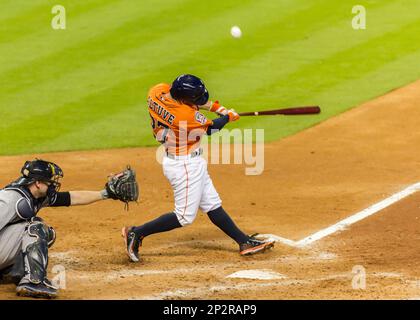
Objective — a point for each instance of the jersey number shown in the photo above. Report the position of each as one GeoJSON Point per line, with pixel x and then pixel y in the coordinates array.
{"type": "Point", "coordinates": [157, 124]}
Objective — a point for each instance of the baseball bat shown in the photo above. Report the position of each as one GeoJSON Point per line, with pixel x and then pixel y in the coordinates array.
{"type": "Point", "coordinates": [284, 111]}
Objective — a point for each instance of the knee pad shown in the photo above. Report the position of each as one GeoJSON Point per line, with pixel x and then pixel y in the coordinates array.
{"type": "Point", "coordinates": [40, 229]}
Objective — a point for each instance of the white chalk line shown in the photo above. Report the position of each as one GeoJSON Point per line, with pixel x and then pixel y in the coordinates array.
{"type": "Point", "coordinates": [112, 275]}
{"type": "Point", "coordinates": [301, 243]}
{"type": "Point", "coordinates": [343, 224]}
{"type": "Point", "coordinates": [205, 291]}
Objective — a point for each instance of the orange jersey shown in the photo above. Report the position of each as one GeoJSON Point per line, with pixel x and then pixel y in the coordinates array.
{"type": "Point", "coordinates": [175, 124]}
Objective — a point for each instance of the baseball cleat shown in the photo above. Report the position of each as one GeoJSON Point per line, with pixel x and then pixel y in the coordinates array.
{"type": "Point", "coordinates": [132, 243]}
{"type": "Point", "coordinates": [253, 246]}
{"type": "Point", "coordinates": [41, 290]}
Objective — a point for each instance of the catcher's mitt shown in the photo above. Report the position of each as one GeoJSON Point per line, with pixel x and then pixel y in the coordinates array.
{"type": "Point", "coordinates": [123, 186]}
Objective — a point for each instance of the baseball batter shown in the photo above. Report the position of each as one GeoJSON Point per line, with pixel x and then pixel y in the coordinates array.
{"type": "Point", "coordinates": [24, 237]}
{"type": "Point", "coordinates": [178, 124]}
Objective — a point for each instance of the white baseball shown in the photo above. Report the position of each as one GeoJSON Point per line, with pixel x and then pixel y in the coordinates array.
{"type": "Point", "coordinates": [236, 32]}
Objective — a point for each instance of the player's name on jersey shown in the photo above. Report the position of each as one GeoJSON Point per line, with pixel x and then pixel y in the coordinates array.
{"type": "Point", "coordinates": [161, 111]}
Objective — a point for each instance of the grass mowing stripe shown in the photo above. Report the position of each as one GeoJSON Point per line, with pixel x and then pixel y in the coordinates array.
{"type": "Point", "coordinates": [14, 8]}
{"type": "Point", "coordinates": [86, 118]}
{"type": "Point", "coordinates": [352, 66]}
{"type": "Point", "coordinates": [349, 64]}
{"type": "Point", "coordinates": [301, 86]}
{"type": "Point", "coordinates": [290, 57]}
{"type": "Point", "coordinates": [383, 75]}
{"type": "Point", "coordinates": [101, 134]}
{"type": "Point", "coordinates": [83, 27]}
{"type": "Point", "coordinates": [260, 40]}
{"type": "Point", "coordinates": [124, 37]}
{"type": "Point", "coordinates": [94, 99]}
{"type": "Point", "coordinates": [342, 95]}
{"type": "Point", "coordinates": [74, 86]}
{"type": "Point", "coordinates": [39, 18]}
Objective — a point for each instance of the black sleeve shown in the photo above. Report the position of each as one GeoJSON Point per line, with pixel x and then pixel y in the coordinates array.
{"type": "Point", "coordinates": [61, 199]}
{"type": "Point", "coordinates": [218, 124]}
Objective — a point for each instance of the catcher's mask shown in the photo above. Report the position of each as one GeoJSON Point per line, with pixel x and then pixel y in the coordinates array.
{"type": "Point", "coordinates": [44, 171]}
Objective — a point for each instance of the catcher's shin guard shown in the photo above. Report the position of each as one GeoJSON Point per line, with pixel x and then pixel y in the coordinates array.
{"type": "Point", "coordinates": [38, 237]}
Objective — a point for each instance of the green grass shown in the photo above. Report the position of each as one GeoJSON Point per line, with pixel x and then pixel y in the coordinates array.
{"type": "Point", "coordinates": [85, 87]}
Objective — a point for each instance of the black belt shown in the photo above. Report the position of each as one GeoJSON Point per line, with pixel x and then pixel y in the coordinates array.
{"type": "Point", "coordinates": [195, 153]}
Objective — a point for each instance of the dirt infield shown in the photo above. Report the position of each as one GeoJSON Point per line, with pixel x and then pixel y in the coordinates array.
{"type": "Point", "coordinates": [311, 181]}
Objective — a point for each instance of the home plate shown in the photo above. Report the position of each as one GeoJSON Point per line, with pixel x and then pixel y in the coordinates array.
{"type": "Point", "coordinates": [257, 274]}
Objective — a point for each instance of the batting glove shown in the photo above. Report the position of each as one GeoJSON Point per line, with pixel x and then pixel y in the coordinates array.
{"type": "Point", "coordinates": [219, 109]}
{"type": "Point", "coordinates": [233, 115]}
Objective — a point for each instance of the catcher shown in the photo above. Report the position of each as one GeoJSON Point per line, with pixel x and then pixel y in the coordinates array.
{"type": "Point", "coordinates": [25, 238]}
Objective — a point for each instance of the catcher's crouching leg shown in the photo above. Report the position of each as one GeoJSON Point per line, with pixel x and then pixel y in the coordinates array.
{"type": "Point", "coordinates": [14, 273]}
{"type": "Point", "coordinates": [37, 239]}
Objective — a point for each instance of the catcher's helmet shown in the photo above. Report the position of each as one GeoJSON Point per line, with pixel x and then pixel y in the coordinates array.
{"type": "Point", "coordinates": [189, 89]}
{"type": "Point", "coordinates": [40, 170]}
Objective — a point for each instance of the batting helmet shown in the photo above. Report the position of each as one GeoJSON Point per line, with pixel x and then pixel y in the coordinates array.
{"type": "Point", "coordinates": [189, 89]}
